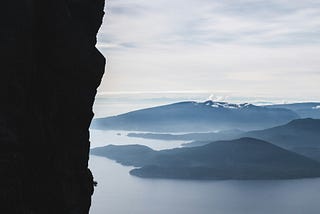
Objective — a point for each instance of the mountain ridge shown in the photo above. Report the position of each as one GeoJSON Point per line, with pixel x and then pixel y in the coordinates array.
{"type": "Point", "coordinates": [244, 158]}
{"type": "Point", "coordinates": [304, 109]}
{"type": "Point", "coordinates": [197, 116]}
{"type": "Point", "coordinates": [300, 135]}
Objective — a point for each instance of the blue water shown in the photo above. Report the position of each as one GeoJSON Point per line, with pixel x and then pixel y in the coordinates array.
{"type": "Point", "coordinates": [120, 193]}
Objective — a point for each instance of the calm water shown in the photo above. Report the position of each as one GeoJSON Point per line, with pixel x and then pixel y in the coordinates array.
{"type": "Point", "coordinates": [120, 193]}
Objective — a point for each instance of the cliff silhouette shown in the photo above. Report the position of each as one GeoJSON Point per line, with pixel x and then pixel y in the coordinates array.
{"type": "Point", "coordinates": [50, 70]}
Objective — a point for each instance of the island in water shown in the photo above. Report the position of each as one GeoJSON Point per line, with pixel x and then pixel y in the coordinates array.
{"type": "Point", "coordinates": [244, 158]}
{"type": "Point", "coordinates": [222, 141]}
{"type": "Point", "coordinates": [301, 136]}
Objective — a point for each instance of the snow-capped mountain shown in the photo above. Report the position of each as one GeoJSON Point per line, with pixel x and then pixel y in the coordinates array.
{"type": "Point", "coordinates": [193, 116]}
{"type": "Point", "coordinates": [225, 105]}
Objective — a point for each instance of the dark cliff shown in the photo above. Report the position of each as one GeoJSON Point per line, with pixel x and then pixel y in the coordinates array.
{"type": "Point", "coordinates": [50, 70]}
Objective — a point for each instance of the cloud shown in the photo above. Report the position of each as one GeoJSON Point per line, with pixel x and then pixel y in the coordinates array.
{"type": "Point", "coordinates": [246, 47]}
{"type": "Point", "coordinates": [201, 22]}
{"type": "Point", "coordinates": [217, 98]}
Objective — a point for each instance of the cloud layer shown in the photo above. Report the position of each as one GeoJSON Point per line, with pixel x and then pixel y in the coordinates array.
{"type": "Point", "coordinates": [244, 47]}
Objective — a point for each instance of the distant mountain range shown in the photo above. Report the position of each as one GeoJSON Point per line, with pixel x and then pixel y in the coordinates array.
{"type": "Point", "coordinates": [245, 158]}
{"type": "Point", "coordinates": [304, 110]}
{"type": "Point", "coordinates": [254, 142]}
{"type": "Point", "coordinates": [198, 117]}
{"type": "Point", "coordinates": [301, 136]}
{"type": "Point", "coordinates": [207, 136]}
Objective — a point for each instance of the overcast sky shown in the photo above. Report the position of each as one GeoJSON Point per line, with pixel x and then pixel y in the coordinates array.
{"type": "Point", "coordinates": [243, 48]}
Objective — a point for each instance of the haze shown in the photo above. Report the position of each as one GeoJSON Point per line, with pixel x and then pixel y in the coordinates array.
{"type": "Point", "coordinates": [235, 48]}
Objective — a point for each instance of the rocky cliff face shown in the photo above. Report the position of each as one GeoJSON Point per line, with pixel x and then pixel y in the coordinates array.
{"type": "Point", "coordinates": [50, 70]}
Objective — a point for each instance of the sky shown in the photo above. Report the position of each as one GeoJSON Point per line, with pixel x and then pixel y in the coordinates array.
{"type": "Point", "coordinates": [239, 48]}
